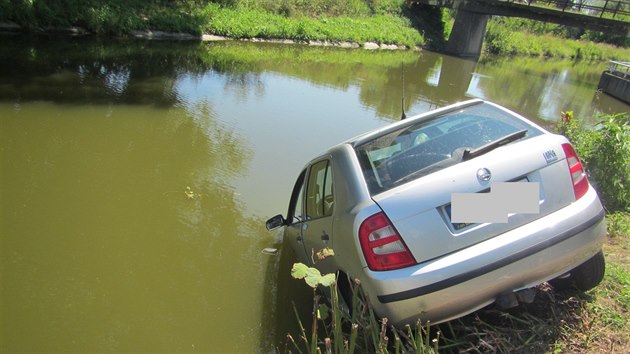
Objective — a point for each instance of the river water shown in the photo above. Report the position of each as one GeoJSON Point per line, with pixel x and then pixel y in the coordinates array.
{"type": "Point", "coordinates": [136, 176]}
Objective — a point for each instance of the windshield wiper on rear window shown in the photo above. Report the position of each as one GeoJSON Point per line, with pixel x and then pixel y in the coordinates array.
{"type": "Point", "coordinates": [469, 154]}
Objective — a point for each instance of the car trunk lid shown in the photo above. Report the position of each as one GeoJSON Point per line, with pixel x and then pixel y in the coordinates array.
{"type": "Point", "coordinates": [420, 209]}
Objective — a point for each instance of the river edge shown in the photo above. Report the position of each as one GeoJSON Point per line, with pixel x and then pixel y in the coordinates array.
{"type": "Point", "coordinates": [12, 28]}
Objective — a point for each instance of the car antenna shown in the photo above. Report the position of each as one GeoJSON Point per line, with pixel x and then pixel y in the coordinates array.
{"type": "Point", "coordinates": [402, 69]}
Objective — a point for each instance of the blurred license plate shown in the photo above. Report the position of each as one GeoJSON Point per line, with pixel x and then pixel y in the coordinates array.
{"type": "Point", "coordinates": [456, 225]}
{"type": "Point", "coordinates": [460, 225]}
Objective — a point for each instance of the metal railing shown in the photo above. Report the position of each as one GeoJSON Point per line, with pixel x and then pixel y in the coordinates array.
{"type": "Point", "coordinates": [619, 68]}
{"type": "Point", "coordinates": [597, 8]}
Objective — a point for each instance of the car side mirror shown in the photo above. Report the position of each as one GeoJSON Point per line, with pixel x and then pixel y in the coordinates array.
{"type": "Point", "coordinates": [275, 222]}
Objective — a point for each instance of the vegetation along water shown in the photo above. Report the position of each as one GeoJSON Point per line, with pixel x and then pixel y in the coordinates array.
{"type": "Point", "coordinates": [136, 175]}
{"type": "Point", "coordinates": [397, 22]}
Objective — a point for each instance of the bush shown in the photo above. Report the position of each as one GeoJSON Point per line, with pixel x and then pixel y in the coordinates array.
{"type": "Point", "coordinates": [605, 151]}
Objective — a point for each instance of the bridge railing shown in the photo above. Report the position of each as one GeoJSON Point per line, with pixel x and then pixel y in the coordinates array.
{"type": "Point", "coordinates": [620, 69]}
{"type": "Point", "coordinates": [599, 8]}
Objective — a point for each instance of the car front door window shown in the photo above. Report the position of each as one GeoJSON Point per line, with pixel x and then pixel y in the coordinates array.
{"type": "Point", "coordinates": [319, 191]}
{"type": "Point", "coordinates": [319, 203]}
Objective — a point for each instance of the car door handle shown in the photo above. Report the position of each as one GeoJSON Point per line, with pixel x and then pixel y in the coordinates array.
{"type": "Point", "coordinates": [325, 236]}
{"type": "Point", "coordinates": [299, 238]}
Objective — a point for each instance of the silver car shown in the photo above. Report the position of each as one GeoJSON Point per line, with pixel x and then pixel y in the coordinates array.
{"type": "Point", "coordinates": [385, 202]}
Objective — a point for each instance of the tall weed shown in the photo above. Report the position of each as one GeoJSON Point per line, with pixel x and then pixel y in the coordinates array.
{"type": "Point", "coordinates": [336, 328]}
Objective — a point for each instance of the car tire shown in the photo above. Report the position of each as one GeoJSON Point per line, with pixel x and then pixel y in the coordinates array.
{"type": "Point", "coordinates": [345, 293]}
{"type": "Point", "coordinates": [585, 276]}
{"type": "Point", "coordinates": [590, 273]}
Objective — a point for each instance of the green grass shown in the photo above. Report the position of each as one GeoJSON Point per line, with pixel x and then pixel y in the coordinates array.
{"type": "Point", "coordinates": [356, 21]}
{"type": "Point", "coordinates": [605, 310]}
{"type": "Point", "coordinates": [500, 39]}
{"type": "Point", "coordinates": [253, 23]}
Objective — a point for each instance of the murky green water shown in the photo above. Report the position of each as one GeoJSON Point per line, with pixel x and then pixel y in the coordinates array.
{"type": "Point", "coordinates": [136, 176]}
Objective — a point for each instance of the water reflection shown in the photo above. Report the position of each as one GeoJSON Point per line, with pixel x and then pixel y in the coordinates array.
{"type": "Point", "coordinates": [102, 241]}
{"type": "Point", "coordinates": [85, 70]}
{"type": "Point", "coordinates": [148, 73]}
{"type": "Point", "coordinates": [136, 176]}
{"type": "Point", "coordinates": [541, 89]}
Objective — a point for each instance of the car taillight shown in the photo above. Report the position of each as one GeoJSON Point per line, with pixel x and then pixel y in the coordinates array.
{"type": "Point", "coordinates": [578, 175]}
{"type": "Point", "coordinates": [382, 246]}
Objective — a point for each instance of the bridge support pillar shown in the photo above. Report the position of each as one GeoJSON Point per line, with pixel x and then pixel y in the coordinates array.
{"type": "Point", "coordinates": [467, 35]}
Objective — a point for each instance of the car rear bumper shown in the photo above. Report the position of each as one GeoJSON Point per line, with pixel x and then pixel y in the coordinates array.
{"type": "Point", "coordinates": [466, 280]}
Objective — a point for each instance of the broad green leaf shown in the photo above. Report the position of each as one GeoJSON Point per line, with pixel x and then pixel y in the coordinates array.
{"type": "Point", "coordinates": [328, 279]}
{"type": "Point", "coordinates": [299, 270]}
{"type": "Point", "coordinates": [313, 277]}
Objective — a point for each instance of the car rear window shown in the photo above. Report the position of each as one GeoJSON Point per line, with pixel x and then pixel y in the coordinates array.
{"type": "Point", "coordinates": [433, 144]}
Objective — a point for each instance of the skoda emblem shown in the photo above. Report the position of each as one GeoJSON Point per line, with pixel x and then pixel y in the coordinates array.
{"type": "Point", "coordinates": [484, 174]}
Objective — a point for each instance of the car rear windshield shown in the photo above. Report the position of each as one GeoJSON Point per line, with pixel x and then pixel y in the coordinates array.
{"type": "Point", "coordinates": [438, 142]}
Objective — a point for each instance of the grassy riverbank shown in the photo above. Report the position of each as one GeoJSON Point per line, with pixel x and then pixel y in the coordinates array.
{"type": "Point", "coordinates": [355, 21]}
{"type": "Point", "coordinates": [387, 28]}
{"type": "Point", "coordinates": [521, 37]}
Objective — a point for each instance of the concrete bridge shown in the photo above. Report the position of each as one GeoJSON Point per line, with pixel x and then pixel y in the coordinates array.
{"type": "Point", "coordinates": [466, 39]}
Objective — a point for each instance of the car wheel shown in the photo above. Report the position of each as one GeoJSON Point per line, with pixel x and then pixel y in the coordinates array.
{"type": "Point", "coordinates": [345, 293]}
{"type": "Point", "coordinates": [585, 276]}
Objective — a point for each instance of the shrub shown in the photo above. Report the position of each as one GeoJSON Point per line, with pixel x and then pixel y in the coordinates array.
{"type": "Point", "coordinates": [605, 151]}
